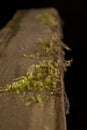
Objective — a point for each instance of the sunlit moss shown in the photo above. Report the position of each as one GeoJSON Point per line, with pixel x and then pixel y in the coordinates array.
{"type": "Point", "coordinates": [42, 78]}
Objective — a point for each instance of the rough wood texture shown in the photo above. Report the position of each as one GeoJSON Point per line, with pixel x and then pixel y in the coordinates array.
{"type": "Point", "coordinates": [18, 37]}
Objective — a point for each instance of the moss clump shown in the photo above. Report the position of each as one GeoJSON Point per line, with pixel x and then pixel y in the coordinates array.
{"type": "Point", "coordinates": [50, 49]}
{"type": "Point", "coordinates": [41, 78]}
{"type": "Point", "coordinates": [48, 18]}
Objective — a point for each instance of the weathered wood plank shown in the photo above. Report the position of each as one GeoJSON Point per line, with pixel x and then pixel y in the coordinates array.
{"type": "Point", "coordinates": [20, 37]}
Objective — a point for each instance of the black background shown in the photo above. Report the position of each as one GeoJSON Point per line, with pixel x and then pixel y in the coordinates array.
{"type": "Point", "coordinates": [74, 15]}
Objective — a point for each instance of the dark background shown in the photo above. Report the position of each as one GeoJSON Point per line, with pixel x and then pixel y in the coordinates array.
{"type": "Point", "coordinates": [74, 14]}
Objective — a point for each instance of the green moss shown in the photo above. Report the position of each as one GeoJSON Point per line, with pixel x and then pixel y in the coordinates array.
{"type": "Point", "coordinates": [42, 78]}
{"type": "Point", "coordinates": [50, 49]}
{"type": "Point", "coordinates": [48, 18]}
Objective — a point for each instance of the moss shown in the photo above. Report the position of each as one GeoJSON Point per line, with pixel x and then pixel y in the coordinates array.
{"type": "Point", "coordinates": [48, 18]}
{"type": "Point", "coordinates": [42, 78]}
{"type": "Point", "coordinates": [32, 56]}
